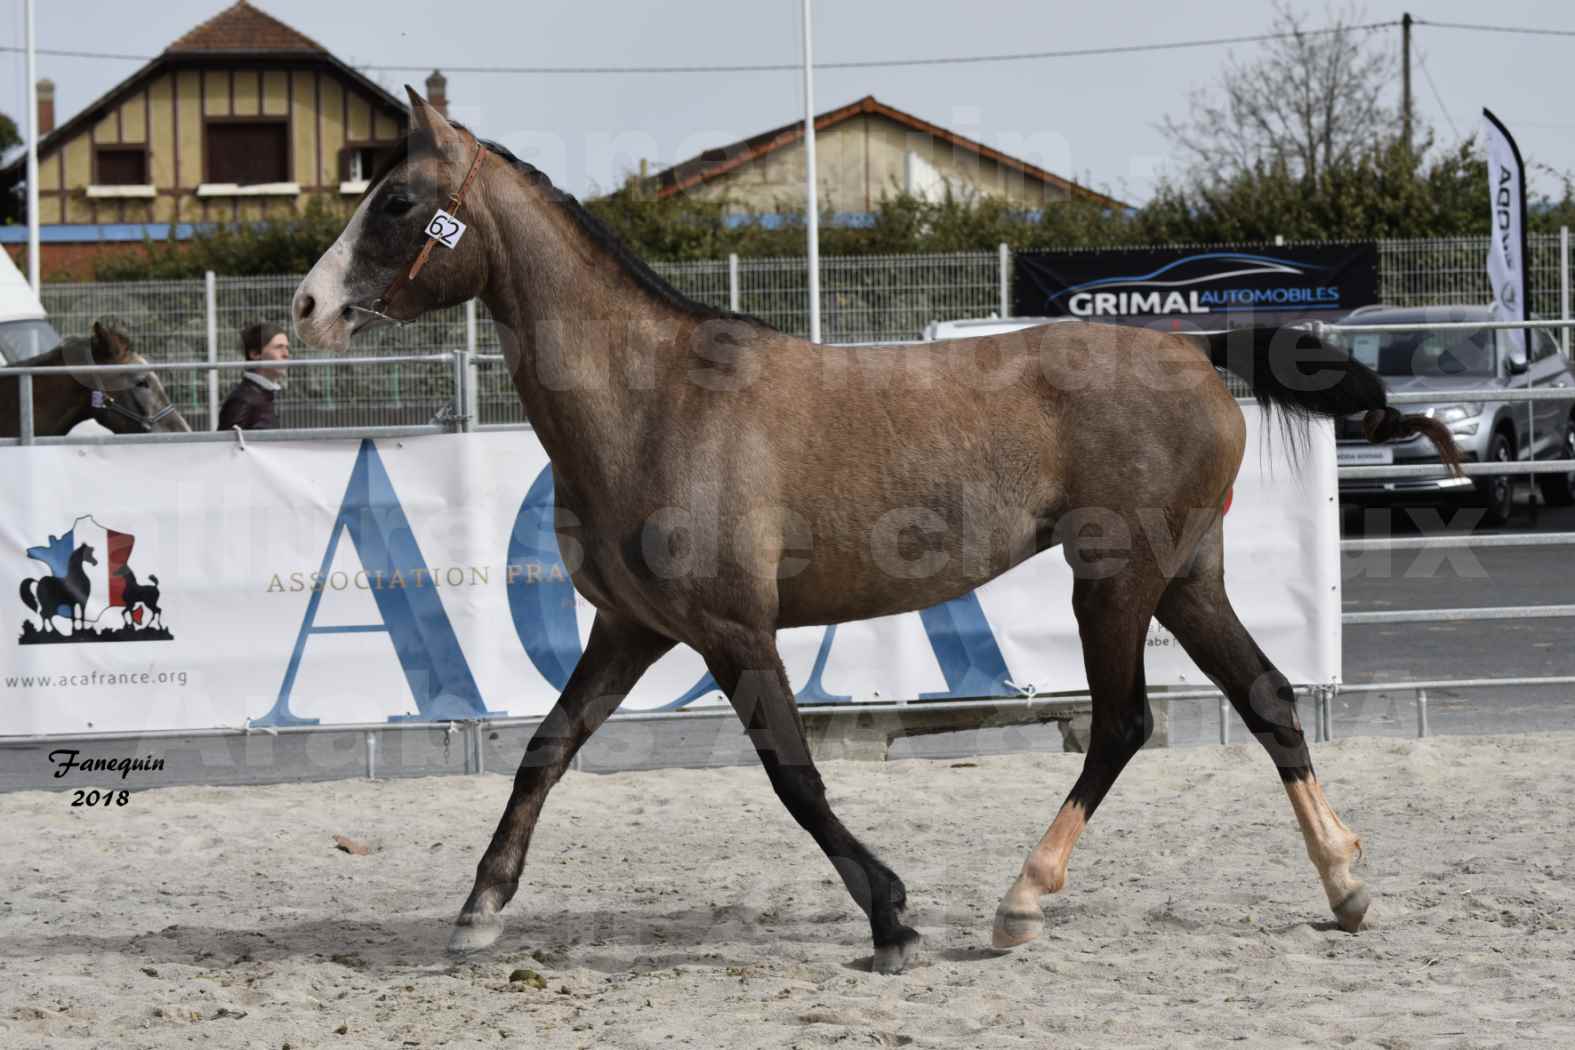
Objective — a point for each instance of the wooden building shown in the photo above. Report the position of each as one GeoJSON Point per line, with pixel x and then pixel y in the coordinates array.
{"type": "Point", "coordinates": [865, 150]}
{"type": "Point", "coordinates": [241, 118]}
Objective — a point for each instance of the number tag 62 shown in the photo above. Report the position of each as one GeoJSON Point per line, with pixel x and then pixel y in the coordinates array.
{"type": "Point", "coordinates": [445, 229]}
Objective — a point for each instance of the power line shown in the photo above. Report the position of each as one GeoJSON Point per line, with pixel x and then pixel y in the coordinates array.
{"type": "Point", "coordinates": [1437, 97]}
{"type": "Point", "coordinates": [776, 67]}
{"type": "Point", "coordinates": [1475, 27]}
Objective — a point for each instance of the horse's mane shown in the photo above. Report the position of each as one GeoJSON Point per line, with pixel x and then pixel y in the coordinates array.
{"type": "Point", "coordinates": [600, 234]}
{"type": "Point", "coordinates": [55, 356]}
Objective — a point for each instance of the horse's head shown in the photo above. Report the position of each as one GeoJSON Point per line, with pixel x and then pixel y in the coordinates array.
{"type": "Point", "coordinates": [87, 554]}
{"type": "Point", "coordinates": [124, 570]}
{"type": "Point", "coordinates": [127, 402]}
{"type": "Point", "coordinates": [364, 278]}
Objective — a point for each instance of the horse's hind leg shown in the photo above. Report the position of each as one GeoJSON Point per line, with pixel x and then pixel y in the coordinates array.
{"type": "Point", "coordinates": [746, 665]}
{"type": "Point", "coordinates": [615, 657]}
{"type": "Point", "coordinates": [1112, 617]}
{"type": "Point", "coordinates": [1197, 611]}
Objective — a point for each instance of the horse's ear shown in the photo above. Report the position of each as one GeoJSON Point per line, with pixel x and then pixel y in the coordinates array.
{"type": "Point", "coordinates": [424, 117]}
{"type": "Point", "coordinates": [110, 345]}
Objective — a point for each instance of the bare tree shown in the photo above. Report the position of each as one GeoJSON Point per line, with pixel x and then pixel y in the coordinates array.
{"type": "Point", "coordinates": [1313, 99]}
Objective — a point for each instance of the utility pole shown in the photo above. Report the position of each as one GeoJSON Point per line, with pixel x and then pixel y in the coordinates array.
{"type": "Point", "coordinates": [811, 204]}
{"type": "Point", "coordinates": [1405, 78]}
{"type": "Point", "coordinates": [34, 265]}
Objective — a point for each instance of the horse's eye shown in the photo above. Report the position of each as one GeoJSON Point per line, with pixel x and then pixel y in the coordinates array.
{"type": "Point", "coordinates": [144, 383]}
{"type": "Point", "coordinates": [397, 205]}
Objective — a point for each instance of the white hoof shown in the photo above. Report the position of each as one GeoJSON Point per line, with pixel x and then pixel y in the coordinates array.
{"type": "Point", "coordinates": [472, 933]}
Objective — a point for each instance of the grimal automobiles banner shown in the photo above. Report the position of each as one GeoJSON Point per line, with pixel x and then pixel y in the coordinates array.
{"type": "Point", "coordinates": [1206, 288]}
{"type": "Point", "coordinates": [210, 585]}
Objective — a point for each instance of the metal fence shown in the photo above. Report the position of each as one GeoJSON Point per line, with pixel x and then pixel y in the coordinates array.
{"type": "Point", "coordinates": [864, 299]}
{"type": "Point", "coordinates": [1452, 271]}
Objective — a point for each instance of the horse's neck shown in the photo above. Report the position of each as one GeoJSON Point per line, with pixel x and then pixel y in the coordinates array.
{"type": "Point", "coordinates": [59, 402]}
{"type": "Point", "coordinates": [77, 572]}
{"type": "Point", "coordinates": [591, 354]}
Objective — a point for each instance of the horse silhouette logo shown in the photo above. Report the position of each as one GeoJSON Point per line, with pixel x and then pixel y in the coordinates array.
{"type": "Point", "coordinates": [89, 575]}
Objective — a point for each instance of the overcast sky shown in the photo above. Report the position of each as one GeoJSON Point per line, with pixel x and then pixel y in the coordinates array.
{"type": "Point", "coordinates": [1090, 118]}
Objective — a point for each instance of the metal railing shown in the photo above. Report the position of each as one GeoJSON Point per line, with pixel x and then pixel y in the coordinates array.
{"type": "Point", "coordinates": [451, 407]}
{"type": "Point", "coordinates": [863, 299]}
{"type": "Point", "coordinates": [1436, 542]}
{"type": "Point", "coordinates": [1529, 468]}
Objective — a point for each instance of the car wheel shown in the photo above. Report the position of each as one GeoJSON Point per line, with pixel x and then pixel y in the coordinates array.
{"type": "Point", "coordinates": [1496, 492]}
{"type": "Point", "coordinates": [1558, 490]}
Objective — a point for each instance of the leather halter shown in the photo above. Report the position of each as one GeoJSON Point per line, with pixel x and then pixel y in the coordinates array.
{"type": "Point", "coordinates": [404, 278]}
{"type": "Point", "coordinates": [103, 399]}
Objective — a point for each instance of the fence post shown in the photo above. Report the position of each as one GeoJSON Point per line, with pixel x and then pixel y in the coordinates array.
{"type": "Point", "coordinates": [733, 297]}
{"type": "Point", "coordinates": [24, 408]}
{"type": "Point", "coordinates": [458, 423]}
{"type": "Point", "coordinates": [1421, 713]}
{"type": "Point", "coordinates": [1004, 256]}
{"type": "Point", "coordinates": [211, 287]}
{"type": "Point", "coordinates": [1224, 720]}
{"type": "Point", "coordinates": [472, 402]}
{"type": "Point", "coordinates": [1564, 282]}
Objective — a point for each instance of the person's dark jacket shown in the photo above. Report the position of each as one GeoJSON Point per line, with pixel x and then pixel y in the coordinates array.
{"type": "Point", "coordinates": [249, 406]}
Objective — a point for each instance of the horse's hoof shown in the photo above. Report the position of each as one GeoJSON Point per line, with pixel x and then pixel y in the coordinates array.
{"type": "Point", "coordinates": [1350, 912]}
{"type": "Point", "coordinates": [895, 957]}
{"type": "Point", "coordinates": [472, 933]}
{"type": "Point", "coordinates": [1014, 926]}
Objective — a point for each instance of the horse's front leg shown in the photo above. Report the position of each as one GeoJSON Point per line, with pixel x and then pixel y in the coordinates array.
{"type": "Point", "coordinates": [616, 655]}
{"type": "Point", "coordinates": [746, 665]}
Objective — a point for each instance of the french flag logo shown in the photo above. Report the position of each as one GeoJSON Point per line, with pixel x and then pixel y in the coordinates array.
{"type": "Point", "coordinates": [87, 574]}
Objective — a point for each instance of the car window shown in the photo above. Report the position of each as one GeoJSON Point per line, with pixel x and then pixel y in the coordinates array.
{"type": "Point", "coordinates": [1447, 352]}
{"type": "Point", "coordinates": [1543, 345]}
{"type": "Point", "coordinates": [20, 340]}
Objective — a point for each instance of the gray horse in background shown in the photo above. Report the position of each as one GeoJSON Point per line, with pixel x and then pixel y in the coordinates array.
{"type": "Point", "coordinates": [125, 403]}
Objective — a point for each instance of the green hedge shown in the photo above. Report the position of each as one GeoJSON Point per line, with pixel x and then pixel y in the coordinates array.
{"type": "Point", "coordinates": [1390, 191]}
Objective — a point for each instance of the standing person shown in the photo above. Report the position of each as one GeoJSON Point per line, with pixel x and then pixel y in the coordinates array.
{"type": "Point", "coordinates": [250, 404]}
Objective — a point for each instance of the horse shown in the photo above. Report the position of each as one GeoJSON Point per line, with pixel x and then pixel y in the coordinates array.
{"type": "Point", "coordinates": [52, 592]}
{"type": "Point", "coordinates": [717, 480]}
{"type": "Point", "coordinates": [126, 403]}
{"type": "Point", "coordinates": [147, 594]}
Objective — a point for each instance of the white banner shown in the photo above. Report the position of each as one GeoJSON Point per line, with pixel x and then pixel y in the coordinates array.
{"type": "Point", "coordinates": [205, 585]}
{"type": "Point", "coordinates": [1507, 262]}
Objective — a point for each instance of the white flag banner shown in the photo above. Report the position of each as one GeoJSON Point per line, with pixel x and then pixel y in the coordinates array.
{"type": "Point", "coordinates": [287, 583]}
{"type": "Point", "coordinates": [1507, 269]}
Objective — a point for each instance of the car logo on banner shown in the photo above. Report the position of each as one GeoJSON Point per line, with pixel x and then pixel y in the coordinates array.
{"type": "Point", "coordinates": [1149, 284]}
{"type": "Point", "coordinates": [88, 591]}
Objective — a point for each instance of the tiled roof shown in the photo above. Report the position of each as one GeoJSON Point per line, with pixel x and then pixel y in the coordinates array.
{"type": "Point", "coordinates": [242, 27]}
{"type": "Point", "coordinates": [714, 162]}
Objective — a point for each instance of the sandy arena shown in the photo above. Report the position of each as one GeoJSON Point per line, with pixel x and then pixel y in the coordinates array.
{"type": "Point", "coordinates": [685, 908]}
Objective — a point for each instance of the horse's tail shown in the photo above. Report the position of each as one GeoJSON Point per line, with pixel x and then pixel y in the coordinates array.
{"type": "Point", "coordinates": [27, 595]}
{"type": "Point", "coordinates": [1292, 370]}
{"type": "Point", "coordinates": [154, 578]}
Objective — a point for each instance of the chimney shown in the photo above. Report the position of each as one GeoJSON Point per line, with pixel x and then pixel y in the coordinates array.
{"type": "Point", "coordinates": [46, 107]}
{"type": "Point", "coordinates": [437, 92]}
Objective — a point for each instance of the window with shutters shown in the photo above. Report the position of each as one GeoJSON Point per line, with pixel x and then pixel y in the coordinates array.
{"type": "Point", "coordinates": [121, 167]}
{"type": "Point", "coordinates": [357, 164]}
{"type": "Point", "coordinates": [248, 153]}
